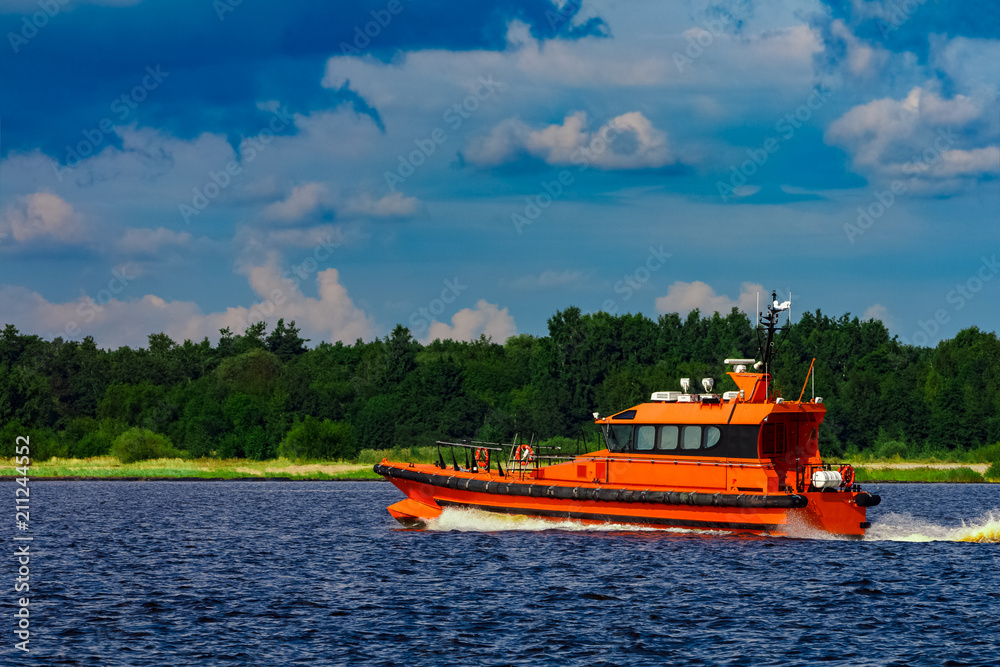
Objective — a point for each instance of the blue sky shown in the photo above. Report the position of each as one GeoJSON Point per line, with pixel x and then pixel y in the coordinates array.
{"type": "Point", "coordinates": [469, 168]}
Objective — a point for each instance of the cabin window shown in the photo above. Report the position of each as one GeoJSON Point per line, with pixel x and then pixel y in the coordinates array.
{"type": "Point", "coordinates": [620, 439]}
{"type": "Point", "coordinates": [671, 438]}
{"type": "Point", "coordinates": [691, 437]}
{"type": "Point", "coordinates": [668, 437]}
{"type": "Point", "coordinates": [645, 438]}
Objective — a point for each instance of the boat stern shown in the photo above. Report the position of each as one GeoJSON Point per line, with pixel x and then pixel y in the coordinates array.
{"type": "Point", "coordinates": [831, 512]}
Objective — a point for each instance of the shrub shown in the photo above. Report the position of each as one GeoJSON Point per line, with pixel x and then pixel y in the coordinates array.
{"type": "Point", "coordinates": [888, 446]}
{"type": "Point", "coordinates": [987, 453]}
{"type": "Point", "coordinates": [993, 472]}
{"type": "Point", "coordinates": [43, 443]}
{"type": "Point", "coordinates": [318, 439]}
{"type": "Point", "coordinates": [86, 437]}
{"type": "Point", "coordinates": [930, 452]}
{"type": "Point", "coordinates": [372, 456]}
{"type": "Point", "coordinates": [405, 454]}
{"type": "Point", "coordinates": [141, 444]}
{"type": "Point", "coordinates": [889, 449]}
{"type": "Point", "coordinates": [851, 453]}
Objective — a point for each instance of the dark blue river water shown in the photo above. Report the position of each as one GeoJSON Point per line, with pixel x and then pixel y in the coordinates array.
{"type": "Point", "coordinates": [282, 573]}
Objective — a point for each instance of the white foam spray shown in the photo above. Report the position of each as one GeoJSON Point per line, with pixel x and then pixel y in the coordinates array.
{"type": "Point", "coordinates": [889, 527]}
{"type": "Point", "coordinates": [473, 520]}
{"type": "Point", "coordinates": [894, 527]}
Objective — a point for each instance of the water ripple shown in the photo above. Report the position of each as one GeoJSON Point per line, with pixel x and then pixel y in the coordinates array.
{"type": "Point", "coordinates": [317, 573]}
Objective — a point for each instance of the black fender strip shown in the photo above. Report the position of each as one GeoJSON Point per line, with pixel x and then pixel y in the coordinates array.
{"type": "Point", "coordinates": [609, 494]}
{"type": "Point", "coordinates": [865, 499]}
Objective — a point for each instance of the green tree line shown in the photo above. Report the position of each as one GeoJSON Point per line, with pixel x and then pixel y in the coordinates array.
{"type": "Point", "coordinates": [262, 394]}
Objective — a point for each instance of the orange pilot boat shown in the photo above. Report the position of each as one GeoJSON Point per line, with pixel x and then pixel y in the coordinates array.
{"type": "Point", "coordinates": [742, 461]}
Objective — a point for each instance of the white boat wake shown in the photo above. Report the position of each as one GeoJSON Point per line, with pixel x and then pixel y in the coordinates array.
{"type": "Point", "coordinates": [891, 527]}
{"type": "Point", "coordinates": [473, 520]}
{"type": "Point", "coordinates": [894, 527]}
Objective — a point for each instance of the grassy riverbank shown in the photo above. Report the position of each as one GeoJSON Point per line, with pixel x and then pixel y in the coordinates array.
{"type": "Point", "coordinates": [111, 468]}
{"type": "Point", "coordinates": [911, 472]}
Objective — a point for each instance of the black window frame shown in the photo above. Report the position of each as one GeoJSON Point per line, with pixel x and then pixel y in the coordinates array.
{"type": "Point", "coordinates": [735, 441]}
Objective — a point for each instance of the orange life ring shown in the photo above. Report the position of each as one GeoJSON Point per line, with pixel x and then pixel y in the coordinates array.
{"type": "Point", "coordinates": [482, 457]}
{"type": "Point", "coordinates": [524, 453]}
{"type": "Point", "coordinates": [847, 474]}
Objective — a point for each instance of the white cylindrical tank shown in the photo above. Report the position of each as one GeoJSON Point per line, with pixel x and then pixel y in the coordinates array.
{"type": "Point", "coordinates": [827, 479]}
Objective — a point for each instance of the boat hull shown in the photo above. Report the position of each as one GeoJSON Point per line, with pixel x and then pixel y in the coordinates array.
{"type": "Point", "coordinates": [430, 490]}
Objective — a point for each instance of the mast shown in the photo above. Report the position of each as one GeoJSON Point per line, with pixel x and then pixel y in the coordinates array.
{"type": "Point", "coordinates": [769, 321]}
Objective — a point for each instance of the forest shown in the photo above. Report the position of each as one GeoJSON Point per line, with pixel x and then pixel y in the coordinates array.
{"type": "Point", "coordinates": [262, 394]}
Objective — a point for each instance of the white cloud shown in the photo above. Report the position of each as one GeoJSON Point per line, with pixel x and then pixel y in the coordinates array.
{"type": "Point", "coordinates": [877, 311]}
{"type": "Point", "coordinates": [149, 241]}
{"type": "Point", "coordinates": [970, 63]}
{"type": "Point", "coordinates": [975, 162]}
{"type": "Point", "coordinates": [333, 316]}
{"type": "Point", "coordinates": [303, 201]}
{"type": "Point", "coordinates": [505, 143]}
{"type": "Point", "coordinates": [862, 59]}
{"type": "Point", "coordinates": [548, 279]}
{"type": "Point", "coordinates": [684, 297]}
{"type": "Point", "coordinates": [746, 190]}
{"type": "Point", "coordinates": [468, 324]}
{"type": "Point", "coordinates": [428, 79]}
{"type": "Point", "coordinates": [311, 198]}
{"type": "Point", "coordinates": [114, 322]}
{"type": "Point", "coordinates": [394, 205]}
{"type": "Point", "coordinates": [322, 236]}
{"type": "Point", "coordinates": [549, 74]}
{"type": "Point", "coordinates": [922, 136]}
{"type": "Point", "coordinates": [628, 141]}
{"type": "Point", "coordinates": [41, 215]}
